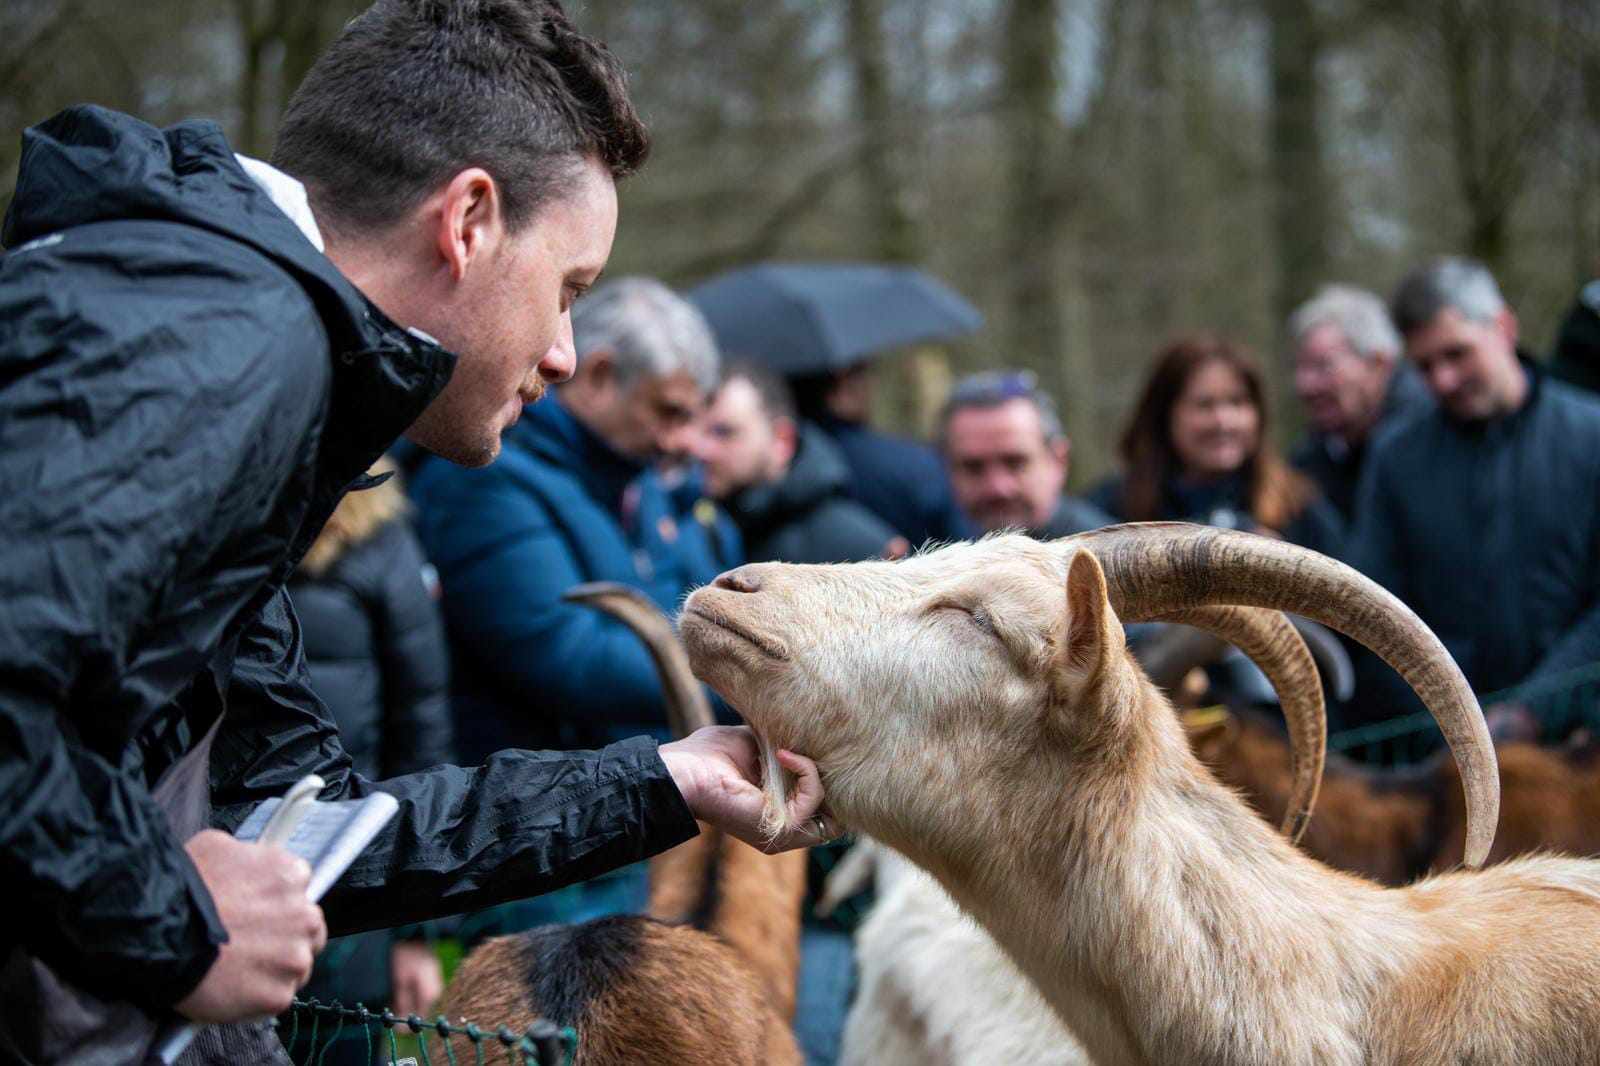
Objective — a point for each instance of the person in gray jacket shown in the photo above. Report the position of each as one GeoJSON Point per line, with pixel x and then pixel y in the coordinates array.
{"type": "Point", "coordinates": [1484, 516]}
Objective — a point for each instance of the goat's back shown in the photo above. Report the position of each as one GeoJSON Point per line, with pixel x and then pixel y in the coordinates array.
{"type": "Point", "coordinates": [1367, 822]}
{"type": "Point", "coordinates": [635, 989]}
{"type": "Point", "coordinates": [1549, 800]}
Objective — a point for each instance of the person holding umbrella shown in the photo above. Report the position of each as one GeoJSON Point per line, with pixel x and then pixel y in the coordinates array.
{"type": "Point", "coordinates": [819, 325]}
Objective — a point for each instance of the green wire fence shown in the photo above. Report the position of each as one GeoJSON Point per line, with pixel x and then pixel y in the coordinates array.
{"type": "Point", "coordinates": [1560, 703]}
{"type": "Point", "coordinates": [541, 1044]}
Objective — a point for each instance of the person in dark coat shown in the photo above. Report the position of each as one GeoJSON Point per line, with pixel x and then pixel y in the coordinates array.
{"type": "Point", "coordinates": [1484, 516]}
{"type": "Point", "coordinates": [573, 498]}
{"type": "Point", "coordinates": [782, 480]}
{"type": "Point", "coordinates": [189, 387]}
{"type": "Point", "coordinates": [1197, 450]}
{"type": "Point", "coordinates": [1351, 384]}
{"type": "Point", "coordinates": [900, 481]}
{"type": "Point", "coordinates": [1008, 457]}
{"type": "Point", "coordinates": [375, 653]}
{"type": "Point", "coordinates": [1576, 356]}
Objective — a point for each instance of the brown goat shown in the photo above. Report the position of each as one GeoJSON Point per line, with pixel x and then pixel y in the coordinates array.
{"type": "Point", "coordinates": [1396, 825]}
{"type": "Point", "coordinates": [708, 976]}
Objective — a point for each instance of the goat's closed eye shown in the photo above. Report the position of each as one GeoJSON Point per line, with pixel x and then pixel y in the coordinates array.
{"type": "Point", "coordinates": [977, 616]}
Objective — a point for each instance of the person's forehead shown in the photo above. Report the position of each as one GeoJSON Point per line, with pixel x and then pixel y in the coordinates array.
{"type": "Point", "coordinates": [1012, 425]}
{"type": "Point", "coordinates": [1214, 376]}
{"type": "Point", "coordinates": [736, 399]}
{"type": "Point", "coordinates": [1449, 328]}
{"type": "Point", "coordinates": [578, 221]}
{"type": "Point", "coordinates": [1322, 339]}
{"type": "Point", "coordinates": [677, 387]}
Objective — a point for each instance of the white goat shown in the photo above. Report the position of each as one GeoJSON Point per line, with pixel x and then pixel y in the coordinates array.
{"type": "Point", "coordinates": [932, 988]}
{"type": "Point", "coordinates": [968, 714]}
{"type": "Point", "coordinates": [908, 1009]}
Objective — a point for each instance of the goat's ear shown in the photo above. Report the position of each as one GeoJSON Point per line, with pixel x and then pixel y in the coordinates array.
{"type": "Point", "coordinates": [1091, 636]}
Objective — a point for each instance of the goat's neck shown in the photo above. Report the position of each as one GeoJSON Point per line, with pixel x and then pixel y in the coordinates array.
{"type": "Point", "coordinates": [1161, 919]}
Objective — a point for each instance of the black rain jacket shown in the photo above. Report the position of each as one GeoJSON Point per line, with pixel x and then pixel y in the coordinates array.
{"type": "Point", "coordinates": [187, 387]}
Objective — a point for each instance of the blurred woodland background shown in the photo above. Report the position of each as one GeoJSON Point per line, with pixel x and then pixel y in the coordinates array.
{"type": "Point", "coordinates": [1096, 175]}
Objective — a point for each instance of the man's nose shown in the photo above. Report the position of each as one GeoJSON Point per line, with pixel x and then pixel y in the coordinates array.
{"type": "Point", "coordinates": [742, 579]}
{"type": "Point", "coordinates": [1000, 482]}
{"type": "Point", "coordinates": [562, 358]}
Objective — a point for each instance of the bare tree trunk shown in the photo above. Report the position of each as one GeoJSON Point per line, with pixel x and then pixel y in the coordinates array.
{"type": "Point", "coordinates": [1300, 194]}
{"type": "Point", "coordinates": [1488, 134]}
{"type": "Point", "coordinates": [897, 238]}
{"type": "Point", "coordinates": [1035, 211]}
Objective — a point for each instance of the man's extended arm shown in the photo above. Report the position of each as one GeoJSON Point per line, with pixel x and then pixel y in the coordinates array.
{"type": "Point", "coordinates": [523, 823]}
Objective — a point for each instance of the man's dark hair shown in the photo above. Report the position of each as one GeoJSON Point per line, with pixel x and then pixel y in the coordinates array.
{"type": "Point", "coordinates": [771, 390]}
{"type": "Point", "coordinates": [415, 91]}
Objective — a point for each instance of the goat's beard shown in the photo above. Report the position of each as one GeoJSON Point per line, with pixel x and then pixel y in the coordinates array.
{"type": "Point", "coordinates": [775, 783]}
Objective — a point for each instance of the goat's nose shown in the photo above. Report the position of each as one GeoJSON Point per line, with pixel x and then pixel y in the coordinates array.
{"type": "Point", "coordinates": [744, 579]}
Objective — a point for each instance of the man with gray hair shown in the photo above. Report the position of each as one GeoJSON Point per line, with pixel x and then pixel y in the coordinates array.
{"type": "Point", "coordinates": [573, 498]}
{"type": "Point", "coordinates": [1350, 381]}
{"type": "Point", "coordinates": [1484, 515]}
{"type": "Point", "coordinates": [1007, 456]}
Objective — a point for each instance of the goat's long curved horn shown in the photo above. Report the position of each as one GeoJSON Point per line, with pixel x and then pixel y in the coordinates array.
{"type": "Point", "coordinates": [1275, 645]}
{"type": "Point", "coordinates": [687, 708]}
{"type": "Point", "coordinates": [1154, 569]}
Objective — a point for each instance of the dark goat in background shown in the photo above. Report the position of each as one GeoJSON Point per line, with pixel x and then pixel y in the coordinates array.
{"type": "Point", "coordinates": [1395, 825]}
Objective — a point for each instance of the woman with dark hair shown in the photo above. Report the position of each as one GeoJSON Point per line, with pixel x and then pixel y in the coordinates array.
{"type": "Point", "coordinates": [1196, 450]}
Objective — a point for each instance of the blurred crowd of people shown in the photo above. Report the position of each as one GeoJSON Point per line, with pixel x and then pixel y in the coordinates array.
{"type": "Point", "coordinates": [1439, 457]}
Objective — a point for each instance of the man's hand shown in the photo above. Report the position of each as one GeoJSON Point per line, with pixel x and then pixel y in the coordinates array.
{"type": "Point", "coordinates": [274, 933]}
{"type": "Point", "coordinates": [416, 977]}
{"type": "Point", "coordinates": [718, 769]}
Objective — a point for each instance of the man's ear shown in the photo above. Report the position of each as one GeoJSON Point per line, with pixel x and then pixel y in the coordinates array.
{"type": "Point", "coordinates": [1091, 635]}
{"type": "Point", "coordinates": [1506, 319]}
{"type": "Point", "coordinates": [471, 220]}
{"type": "Point", "coordinates": [785, 441]}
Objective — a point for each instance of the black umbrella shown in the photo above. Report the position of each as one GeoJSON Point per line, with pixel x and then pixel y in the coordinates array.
{"type": "Point", "coordinates": [807, 318]}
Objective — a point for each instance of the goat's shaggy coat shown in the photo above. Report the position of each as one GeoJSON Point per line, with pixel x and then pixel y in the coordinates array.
{"type": "Point", "coordinates": [966, 713]}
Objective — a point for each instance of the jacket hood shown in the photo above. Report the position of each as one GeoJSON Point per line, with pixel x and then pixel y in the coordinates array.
{"type": "Point", "coordinates": [90, 164]}
{"type": "Point", "coordinates": [818, 472]}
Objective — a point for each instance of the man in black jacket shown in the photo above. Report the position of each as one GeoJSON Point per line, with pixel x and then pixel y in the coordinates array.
{"type": "Point", "coordinates": [188, 385]}
{"type": "Point", "coordinates": [784, 481]}
{"type": "Point", "coordinates": [1484, 515]}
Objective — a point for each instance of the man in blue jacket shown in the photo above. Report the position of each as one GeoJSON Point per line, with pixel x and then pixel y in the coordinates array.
{"type": "Point", "coordinates": [573, 498]}
{"type": "Point", "coordinates": [199, 355]}
{"type": "Point", "coordinates": [1484, 515]}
